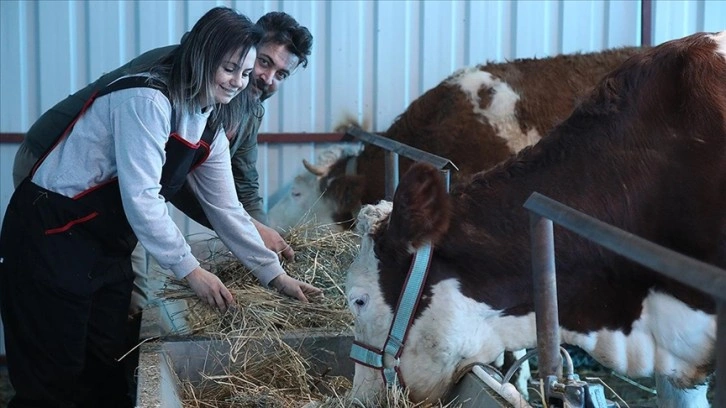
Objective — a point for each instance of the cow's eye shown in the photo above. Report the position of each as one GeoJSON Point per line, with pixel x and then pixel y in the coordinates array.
{"type": "Point", "coordinates": [358, 302]}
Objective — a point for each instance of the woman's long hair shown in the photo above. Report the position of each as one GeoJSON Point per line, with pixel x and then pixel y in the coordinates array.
{"type": "Point", "coordinates": [189, 71]}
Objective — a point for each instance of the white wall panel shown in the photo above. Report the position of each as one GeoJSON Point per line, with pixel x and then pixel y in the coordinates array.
{"type": "Point", "coordinates": [675, 19]}
{"type": "Point", "coordinates": [344, 33]}
{"type": "Point", "coordinates": [55, 61]}
{"type": "Point", "coordinates": [370, 58]}
{"type": "Point", "coordinates": [582, 17]}
{"type": "Point", "coordinates": [14, 67]}
{"type": "Point", "coordinates": [442, 45]}
{"type": "Point", "coordinates": [622, 23]}
{"type": "Point", "coordinates": [299, 100]}
{"type": "Point", "coordinates": [109, 50]}
{"type": "Point", "coordinates": [536, 28]}
{"type": "Point", "coordinates": [395, 36]}
{"type": "Point", "coordinates": [157, 24]}
{"type": "Point", "coordinates": [714, 15]}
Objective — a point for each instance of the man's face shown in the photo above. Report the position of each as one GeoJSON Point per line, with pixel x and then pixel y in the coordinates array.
{"type": "Point", "coordinates": [273, 65]}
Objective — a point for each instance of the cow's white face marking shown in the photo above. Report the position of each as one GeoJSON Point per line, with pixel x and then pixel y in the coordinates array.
{"type": "Point", "coordinates": [373, 317]}
{"type": "Point", "coordinates": [501, 113]}
{"type": "Point", "coordinates": [303, 205]}
{"type": "Point", "coordinates": [720, 39]}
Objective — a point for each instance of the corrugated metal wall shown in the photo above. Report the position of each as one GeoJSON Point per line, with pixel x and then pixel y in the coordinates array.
{"type": "Point", "coordinates": [370, 58]}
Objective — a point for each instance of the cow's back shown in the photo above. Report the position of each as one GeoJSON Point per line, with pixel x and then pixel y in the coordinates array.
{"type": "Point", "coordinates": [480, 116]}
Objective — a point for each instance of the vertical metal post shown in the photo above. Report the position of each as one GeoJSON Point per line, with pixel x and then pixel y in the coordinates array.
{"type": "Point", "coordinates": [446, 174]}
{"type": "Point", "coordinates": [391, 174]}
{"type": "Point", "coordinates": [720, 399]}
{"type": "Point", "coordinates": [549, 361]}
{"type": "Point", "coordinates": [646, 23]}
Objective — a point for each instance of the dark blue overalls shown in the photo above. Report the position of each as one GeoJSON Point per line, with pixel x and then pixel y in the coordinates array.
{"type": "Point", "coordinates": [66, 281]}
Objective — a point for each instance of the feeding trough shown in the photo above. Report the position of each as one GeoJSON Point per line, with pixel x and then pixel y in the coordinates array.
{"type": "Point", "coordinates": [165, 365]}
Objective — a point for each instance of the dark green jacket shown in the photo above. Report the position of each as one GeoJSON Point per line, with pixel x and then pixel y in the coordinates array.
{"type": "Point", "coordinates": [243, 146]}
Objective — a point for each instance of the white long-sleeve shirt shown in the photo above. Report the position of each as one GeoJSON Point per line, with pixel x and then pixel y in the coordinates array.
{"type": "Point", "coordinates": [123, 135]}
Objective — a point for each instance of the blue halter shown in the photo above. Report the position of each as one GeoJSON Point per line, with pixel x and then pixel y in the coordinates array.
{"type": "Point", "coordinates": [402, 319]}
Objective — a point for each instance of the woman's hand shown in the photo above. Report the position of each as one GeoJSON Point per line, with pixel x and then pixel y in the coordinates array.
{"type": "Point", "coordinates": [208, 287]}
{"type": "Point", "coordinates": [274, 241]}
{"type": "Point", "coordinates": [294, 288]}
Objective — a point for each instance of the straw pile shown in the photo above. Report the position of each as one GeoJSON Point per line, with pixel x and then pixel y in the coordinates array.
{"type": "Point", "coordinates": [321, 258]}
{"type": "Point", "coordinates": [262, 374]}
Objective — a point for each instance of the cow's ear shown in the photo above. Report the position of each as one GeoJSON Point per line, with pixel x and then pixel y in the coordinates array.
{"type": "Point", "coordinates": [420, 205]}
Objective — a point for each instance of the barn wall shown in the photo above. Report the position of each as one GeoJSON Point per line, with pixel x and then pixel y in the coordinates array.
{"type": "Point", "coordinates": [370, 58]}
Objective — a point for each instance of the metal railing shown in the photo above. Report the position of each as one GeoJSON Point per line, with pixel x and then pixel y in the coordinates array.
{"type": "Point", "coordinates": [393, 149]}
{"type": "Point", "coordinates": [702, 276]}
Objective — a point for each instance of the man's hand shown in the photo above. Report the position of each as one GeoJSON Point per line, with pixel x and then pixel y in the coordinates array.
{"type": "Point", "coordinates": [274, 241]}
{"type": "Point", "coordinates": [294, 288]}
{"type": "Point", "coordinates": [210, 289]}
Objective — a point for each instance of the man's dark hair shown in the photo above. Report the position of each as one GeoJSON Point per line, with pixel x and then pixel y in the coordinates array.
{"type": "Point", "coordinates": [282, 28]}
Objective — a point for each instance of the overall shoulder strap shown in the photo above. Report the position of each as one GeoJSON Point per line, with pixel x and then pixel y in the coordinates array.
{"type": "Point", "coordinates": [140, 82]}
{"type": "Point", "coordinates": [134, 82]}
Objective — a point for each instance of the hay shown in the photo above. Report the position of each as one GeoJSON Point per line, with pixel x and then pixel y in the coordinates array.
{"type": "Point", "coordinates": [321, 258]}
{"type": "Point", "coordinates": [263, 374]}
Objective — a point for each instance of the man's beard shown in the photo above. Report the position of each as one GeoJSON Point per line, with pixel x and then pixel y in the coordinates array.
{"type": "Point", "coordinates": [262, 90]}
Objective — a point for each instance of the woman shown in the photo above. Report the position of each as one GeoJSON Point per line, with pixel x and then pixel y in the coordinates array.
{"type": "Point", "coordinates": [65, 274]}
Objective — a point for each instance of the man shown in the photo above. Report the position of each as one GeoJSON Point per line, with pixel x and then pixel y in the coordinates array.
{"type": "Point", "coordinates": [284, 47]}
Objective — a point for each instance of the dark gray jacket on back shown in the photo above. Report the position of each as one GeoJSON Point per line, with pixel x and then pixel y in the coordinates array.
{"type": "Point", "coordinates": [243, 146]}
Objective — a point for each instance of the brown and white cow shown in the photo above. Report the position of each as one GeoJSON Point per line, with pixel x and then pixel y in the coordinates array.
{"type": "Point", "coordinates": [477, 117]}
{"type": "Point", "coordinates": [645, 152]}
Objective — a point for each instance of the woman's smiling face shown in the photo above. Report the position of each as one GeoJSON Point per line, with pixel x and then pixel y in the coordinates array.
{"type": "Point", "coordinates": [233, 75]}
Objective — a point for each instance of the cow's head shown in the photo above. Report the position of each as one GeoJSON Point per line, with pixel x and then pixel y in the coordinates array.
{"type": "Point", "coordinates": [322, 195]}
{"type": "Point", "coordinates": [391, 234]}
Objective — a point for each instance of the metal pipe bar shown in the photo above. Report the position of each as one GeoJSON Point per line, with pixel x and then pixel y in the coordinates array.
{"type": "Point", "coordinates": [391, 181]}
{"type": "Point", "coordinates": [702, 276]}
{"type": "Point", "coordinates": [393, 175]}
{"type": "Point", "coordinates": [400, 148]}
{"type": "Point", "coordinates": [549, 361]}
